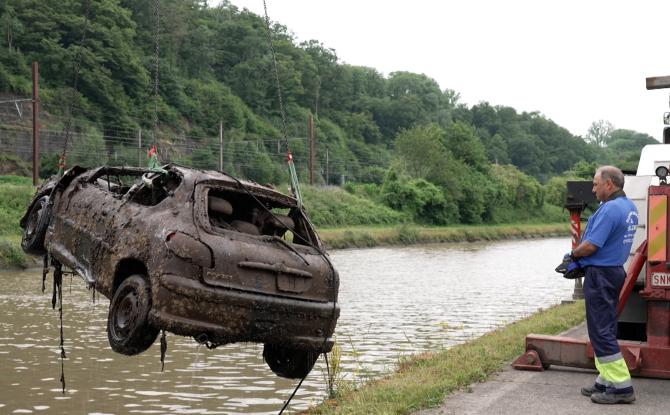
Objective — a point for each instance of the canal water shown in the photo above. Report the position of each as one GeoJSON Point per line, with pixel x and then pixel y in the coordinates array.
{"type": "Point", "coordinates": [395, 302]}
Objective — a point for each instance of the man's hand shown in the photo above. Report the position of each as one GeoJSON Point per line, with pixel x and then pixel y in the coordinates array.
{"type": "Point", "coordinates": [570, 268]}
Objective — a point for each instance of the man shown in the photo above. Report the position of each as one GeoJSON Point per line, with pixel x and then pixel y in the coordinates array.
{"type": "Point", "coordinates": [605, 246]}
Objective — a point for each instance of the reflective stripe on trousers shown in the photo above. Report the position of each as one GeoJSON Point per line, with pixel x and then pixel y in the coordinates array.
{"type": "Point", "coordinates": [614, 374]}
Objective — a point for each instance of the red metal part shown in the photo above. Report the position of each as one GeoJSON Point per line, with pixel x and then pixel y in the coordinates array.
{"type": "Point", "coordinates": [529, 361]}
{"type": "Point", "coordinates": [575, 226]}
{"type": "Point", "coordinates": [632, 273]}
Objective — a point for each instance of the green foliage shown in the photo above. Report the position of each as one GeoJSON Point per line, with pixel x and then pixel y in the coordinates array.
{"type": "Point", "coordinates": [515, 195]}
{"type": "Point", "coordinates": [14, 165]}
{"type": "Point", "coordinates": [421, 150]}
{"type": "Point", "coordinates": [11, 254]}
{"type": "Point", "coordinates": [88, 150]}
{"type": "Point", "coordinates": [15, 195]}
{"type": "Point", "coordinates": [331, 207]}
{"type": "Point", "coordinates": [462, 141]}
{"type": "Point", "coordinates": [422, 199]}
{"type": "Point", "coordinates": [215, 66]}
{"type": "Point", "coordinates": [583, 170]}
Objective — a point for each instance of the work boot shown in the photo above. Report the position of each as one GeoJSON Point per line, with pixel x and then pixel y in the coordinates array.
{"type": "Point", "coordinates": [590, 390]}
{"type": "Point", "coordinates": [612, 398]}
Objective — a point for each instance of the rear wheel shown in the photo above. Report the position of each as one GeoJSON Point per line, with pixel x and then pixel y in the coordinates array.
{"type": "Point", "coordinates": [289, 363]}
{"type": "Point", "coordinates": [128, 327]}
{"type": "Point", "coordinates": [32, 240]}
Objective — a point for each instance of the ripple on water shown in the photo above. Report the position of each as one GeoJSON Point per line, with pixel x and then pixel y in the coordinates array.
{"type": "Point", "coordinates": [394, 302]}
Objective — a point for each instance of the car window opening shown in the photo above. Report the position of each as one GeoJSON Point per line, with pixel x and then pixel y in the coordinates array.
{"type": "Point", "coordinates": [144, 188]}
{"type": "Point", "coordinates": [242, 213]}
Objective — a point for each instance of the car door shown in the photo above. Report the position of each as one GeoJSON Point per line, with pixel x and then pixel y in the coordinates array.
{"type": "Point", "coordinates": [83, 224]}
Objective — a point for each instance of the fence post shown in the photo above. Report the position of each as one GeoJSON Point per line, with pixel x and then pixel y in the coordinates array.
{"type": "Point", "coordinates": [139, 148]}
{"type": "Point", "coordinates": [312, 148]}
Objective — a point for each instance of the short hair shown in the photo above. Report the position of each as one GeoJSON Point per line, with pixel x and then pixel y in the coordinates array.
{"type": "Point", "coordinates": [613, 173]}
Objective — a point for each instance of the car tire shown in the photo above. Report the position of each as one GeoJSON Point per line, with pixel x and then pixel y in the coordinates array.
{"type": "Point", "coordinates": [289, 363]}
{"type": "Point", "coordinates": [32, 240]}
{"type": "Point", "coordinates": [128, 328]}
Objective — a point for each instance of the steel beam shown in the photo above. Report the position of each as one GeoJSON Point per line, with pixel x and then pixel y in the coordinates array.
{"type": "Point", "coordinates": [658, 82]}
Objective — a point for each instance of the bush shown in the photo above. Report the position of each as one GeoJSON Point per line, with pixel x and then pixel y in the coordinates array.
{"type": "Point", "coordinates": [420, 198]}
{"type": "Point", "coordinates": [332, 206]}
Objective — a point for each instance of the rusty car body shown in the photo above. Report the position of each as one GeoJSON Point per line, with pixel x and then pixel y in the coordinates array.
{"type": "Point", "coordinates": [197, 253]}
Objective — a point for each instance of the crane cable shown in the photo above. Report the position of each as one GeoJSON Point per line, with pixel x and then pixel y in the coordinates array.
{"type": "Point", "coordinates": [74, 92]}
{"type": "Point", "coordinates": [156, 66]}
{"type": "Point", "coordinates": [295, 186]}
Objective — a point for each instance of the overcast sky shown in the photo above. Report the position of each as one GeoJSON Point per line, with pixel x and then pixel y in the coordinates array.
{"type": "Point", "coordinates": [573, 61]}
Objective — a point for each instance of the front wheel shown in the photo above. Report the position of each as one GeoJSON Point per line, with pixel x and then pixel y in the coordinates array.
{"type": "Point", "coordinates": [128, 327]}
{"type": "Point", "coordinates": [289, 363]}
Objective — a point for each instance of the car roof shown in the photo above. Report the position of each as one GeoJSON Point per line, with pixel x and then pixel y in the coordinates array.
{"type": "Point", "coordinates": [218, 178]}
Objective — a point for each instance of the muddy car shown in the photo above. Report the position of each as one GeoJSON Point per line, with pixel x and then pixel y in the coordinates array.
{"type": "Point", "coordinates": [197, 253]}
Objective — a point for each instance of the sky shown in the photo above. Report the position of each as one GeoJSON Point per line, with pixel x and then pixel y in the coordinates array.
{"type": "Point", "coordinates": [573, 61]}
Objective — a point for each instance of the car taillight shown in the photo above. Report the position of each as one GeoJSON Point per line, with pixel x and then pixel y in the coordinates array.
{"type": "Point", "coordinates": [189, 249]}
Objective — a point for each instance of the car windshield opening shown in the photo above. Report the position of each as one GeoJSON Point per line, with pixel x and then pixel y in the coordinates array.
{"type": "Point", "coordinates": [139, 186]}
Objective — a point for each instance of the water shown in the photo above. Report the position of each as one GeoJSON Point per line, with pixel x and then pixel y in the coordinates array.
{"type": "Point", "coordinates": [395, 302]}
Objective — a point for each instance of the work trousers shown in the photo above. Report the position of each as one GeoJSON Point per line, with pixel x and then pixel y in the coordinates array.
{"type": "Point", "coordinates": [602, 286]}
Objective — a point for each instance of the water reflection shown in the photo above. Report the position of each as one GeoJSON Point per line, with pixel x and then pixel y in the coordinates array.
{"type": "Point", "coordinates": [395, 301]}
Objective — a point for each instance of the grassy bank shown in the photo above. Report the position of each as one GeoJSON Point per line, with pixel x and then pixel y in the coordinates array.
{"type": "Point", "coordinates": [15, 194]}
{"type": "Point", "coordinates": [423, 381]}
{"type": "Point", "coordinates": [369, 236]}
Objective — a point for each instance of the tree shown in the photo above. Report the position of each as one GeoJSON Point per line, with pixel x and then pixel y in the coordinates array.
{"type": "Point", "coordinates": [600, 132]}
{"type": "Point", "coordinates": [462, 141]}
{"type": "Point", "coordinates": [421, 150]}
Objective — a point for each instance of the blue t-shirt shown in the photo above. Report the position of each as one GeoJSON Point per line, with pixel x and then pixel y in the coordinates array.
{"type": "Point", "coordinates": [611, 228]}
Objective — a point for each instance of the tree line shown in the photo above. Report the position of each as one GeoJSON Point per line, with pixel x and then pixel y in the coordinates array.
{"type": "Point", "coordinates": [400, 132]}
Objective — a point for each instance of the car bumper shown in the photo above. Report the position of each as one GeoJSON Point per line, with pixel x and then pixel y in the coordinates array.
{"type": "Point", "coordinates": [187, 307]}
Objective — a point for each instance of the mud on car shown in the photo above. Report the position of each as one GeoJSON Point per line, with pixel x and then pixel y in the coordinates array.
{"type": "Point", "coordinates": [197, 253]}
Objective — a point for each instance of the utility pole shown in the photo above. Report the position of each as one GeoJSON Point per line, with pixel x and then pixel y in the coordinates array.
{"type": "Point", "coordinates": [312, 148]}
{"type": "Point", "coordinates": [139, 148]}
{"type": "Point", "coordinates": [36, 125]}
{"type": "Point", "coordinates": [327, 173]}
{"type": "Point", "coordinates": [220, 145]}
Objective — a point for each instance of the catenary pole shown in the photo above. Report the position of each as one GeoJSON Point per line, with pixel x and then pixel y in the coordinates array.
{"type": "Point", "coordinates": [220, 145]}
{"type": "Point", "coordinates": [36, 125]}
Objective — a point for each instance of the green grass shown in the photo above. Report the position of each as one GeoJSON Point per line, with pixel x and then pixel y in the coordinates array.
{"type": "Point", "coordinates": [15, 195]}
{"type": "Point", "coordinates": [424, 380]}
{"type": "Point", "coordinates": [11, 254]}
{"type": "Point", "coordinates": [369, 236]}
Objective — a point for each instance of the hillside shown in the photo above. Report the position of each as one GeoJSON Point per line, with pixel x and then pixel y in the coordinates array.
{"type": "Point", "coordinates": [408, 141]}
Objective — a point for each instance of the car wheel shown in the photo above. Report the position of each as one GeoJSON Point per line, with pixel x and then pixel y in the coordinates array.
{"type": "Point", "coordinates": [32, 240]}
{"type": "Point", "coordinates": [128, 327]}
{"type": "Point", "coordinates": [289, 363]}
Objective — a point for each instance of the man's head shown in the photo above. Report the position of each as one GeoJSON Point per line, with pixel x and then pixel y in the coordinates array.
{"type": "Point", "coordinates": [607, 180]}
